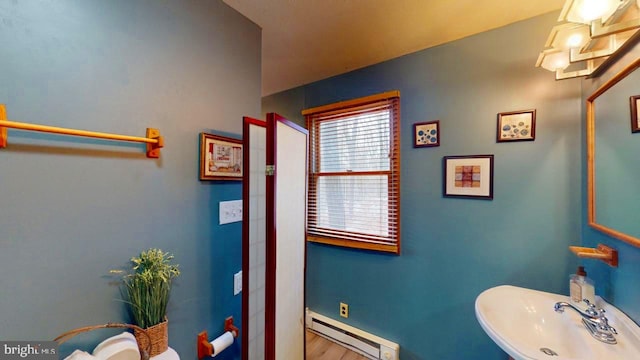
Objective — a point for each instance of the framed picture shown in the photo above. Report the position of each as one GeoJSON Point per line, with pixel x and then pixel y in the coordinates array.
{"type": "Point", "coordinates": [468, 176]}
{"type": "Point", "coordinates": [516, 126]}
{"type": "Point", "coordinates": [426, 134]}
{"type": "Point", "coordinates": [220, 158]}
{"type": "Point", "coordinates": [635, 113]}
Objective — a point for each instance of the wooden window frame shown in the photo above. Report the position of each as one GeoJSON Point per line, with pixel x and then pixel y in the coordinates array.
{"type": "Point", "coordinates": [393, 174]}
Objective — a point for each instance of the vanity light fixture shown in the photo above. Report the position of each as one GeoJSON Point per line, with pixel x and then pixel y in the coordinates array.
{"type": "Point", "coordinates": [590, 31]}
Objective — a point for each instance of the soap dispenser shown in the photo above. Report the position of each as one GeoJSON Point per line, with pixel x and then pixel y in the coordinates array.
{"type": "Point", "coordinates": [581, 287]}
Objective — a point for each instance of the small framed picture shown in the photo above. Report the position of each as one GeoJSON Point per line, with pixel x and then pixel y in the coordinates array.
{"type": "Point", "coordinates": [635, 113]}
{"type": "Point", "coordinates": [220, 158]}
{"type": "Point", "coordinates": [426, 134]}
{"type": "Point", "coordinates": [516, 126]}
{"type": "Point", "coordinates": [469, 176]}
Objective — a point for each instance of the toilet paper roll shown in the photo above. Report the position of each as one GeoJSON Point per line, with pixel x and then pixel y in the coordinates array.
{"type": "Point", "coordinates": [222, 342]}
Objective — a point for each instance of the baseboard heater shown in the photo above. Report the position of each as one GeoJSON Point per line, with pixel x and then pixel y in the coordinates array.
{"type": "Point", "coordinates": [369, 345]}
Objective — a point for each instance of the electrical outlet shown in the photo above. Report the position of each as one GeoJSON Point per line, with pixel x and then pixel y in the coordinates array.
{"type": "Point", "coordinates": [344, 310]}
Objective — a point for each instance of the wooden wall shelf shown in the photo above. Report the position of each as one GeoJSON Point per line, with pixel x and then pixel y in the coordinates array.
{"type": "Point", "coordinates": [602, 252]}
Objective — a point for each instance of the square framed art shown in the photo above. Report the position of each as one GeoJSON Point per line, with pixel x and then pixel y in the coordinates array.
{"type": "Point", "coordinates": [516, 126]}
{"type": "Point", "coordinates": [468, 176]}
{"type": "Point", "coordinates": [220, 158]}
{"type": "Point", "coordinates": [426, 134]}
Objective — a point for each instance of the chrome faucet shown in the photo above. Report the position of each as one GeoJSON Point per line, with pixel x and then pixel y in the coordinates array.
{"type": "Point", "coordinates": [593, 319]}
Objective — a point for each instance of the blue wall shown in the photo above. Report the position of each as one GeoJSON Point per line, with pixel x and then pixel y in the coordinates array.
{"type": "Point", "coordinates": [73, 209]}
{"type": "Point", "coordinates": [453, 249]}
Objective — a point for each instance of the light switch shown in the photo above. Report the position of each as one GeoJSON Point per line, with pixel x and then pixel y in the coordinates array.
{"type": "Point", "coordinates": [237, 282]}
{"type": "Point", "coordinates": [230, 211]}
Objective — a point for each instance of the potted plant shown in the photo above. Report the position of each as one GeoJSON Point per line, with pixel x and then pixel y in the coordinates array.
{"type": "Point", "coordinates": [146, 290]}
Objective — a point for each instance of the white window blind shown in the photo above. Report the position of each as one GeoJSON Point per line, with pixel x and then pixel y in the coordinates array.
{"type": "Point", "coordinates": [355, 174]}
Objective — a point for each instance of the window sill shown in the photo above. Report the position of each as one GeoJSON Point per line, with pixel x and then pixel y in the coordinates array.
{"type": "Point", "coordinates": [394, 249]}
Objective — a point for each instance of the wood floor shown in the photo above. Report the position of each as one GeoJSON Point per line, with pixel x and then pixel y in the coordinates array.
{"type": "Point", "coordinates": [319, 348]}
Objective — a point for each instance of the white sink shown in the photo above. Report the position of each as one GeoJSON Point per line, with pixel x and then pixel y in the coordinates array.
{"type": "Point", "coordinates": [524, 324]}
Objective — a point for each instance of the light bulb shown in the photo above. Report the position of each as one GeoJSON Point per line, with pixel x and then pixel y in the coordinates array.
{"type": "Point", "coordinates": [592, 9]}
{"type": "Point", "coordinates": [561, 62]}
{"type": "Point", "coordinates": [575, 40]}
{"type": "Point", "coordinates": [556, 61]}
{"type": "Point", "coordinates": [595, 9]}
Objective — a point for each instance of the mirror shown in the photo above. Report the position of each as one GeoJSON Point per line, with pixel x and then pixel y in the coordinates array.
{"type": "Point", "coordinates": [614, 170]}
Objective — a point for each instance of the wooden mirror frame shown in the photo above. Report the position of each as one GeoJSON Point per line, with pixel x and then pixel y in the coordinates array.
{"type": "Point", "coordinates": [591, 141]}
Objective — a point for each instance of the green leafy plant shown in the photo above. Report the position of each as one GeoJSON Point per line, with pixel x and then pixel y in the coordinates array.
{"type": "Point", "coordinates": [146, 289]}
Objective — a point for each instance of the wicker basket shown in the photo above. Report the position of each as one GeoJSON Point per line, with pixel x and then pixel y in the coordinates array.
{"type": "Point", "coordinates": [159, 335]}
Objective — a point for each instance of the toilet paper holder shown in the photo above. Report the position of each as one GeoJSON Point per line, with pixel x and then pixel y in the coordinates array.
{"type": "Point", "coordinates": [206, 348]}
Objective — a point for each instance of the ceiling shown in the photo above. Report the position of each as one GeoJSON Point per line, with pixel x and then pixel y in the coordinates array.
{"type": "Point", "coordinates": [308, 40]}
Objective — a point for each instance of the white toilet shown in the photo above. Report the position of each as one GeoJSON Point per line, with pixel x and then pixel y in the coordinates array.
{"type": "Point", "coordinates": [119, 347]}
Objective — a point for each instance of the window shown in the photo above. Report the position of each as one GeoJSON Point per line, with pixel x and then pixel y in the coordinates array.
{"type": "Point", "coordinates": [354, 173]}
